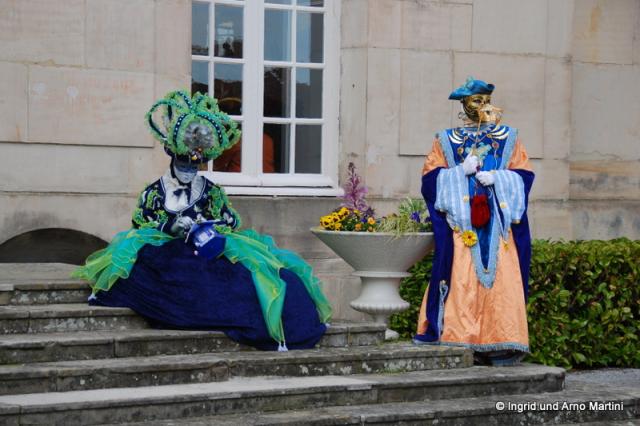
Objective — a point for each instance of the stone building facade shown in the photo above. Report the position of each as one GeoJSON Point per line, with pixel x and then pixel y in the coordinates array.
{"type": "Point", "coordinates": [77, 77]}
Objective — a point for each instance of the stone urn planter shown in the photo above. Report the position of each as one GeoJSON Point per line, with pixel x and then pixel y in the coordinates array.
{"type": "Point", "coordinates": [380, 260]}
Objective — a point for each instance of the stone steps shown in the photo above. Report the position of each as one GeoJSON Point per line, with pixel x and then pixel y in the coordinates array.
{"type": "Point", "coordinates": [20, 319]}
{"type": "Point", "coordinates": [213, 367]}
{"type": "Point", "coordinates": [265, 394]}
{"type": "Point", "coordinates": [43, 291]}
{"type": "Point", "coordinates": [444, 412]}
{"type": "Point", "coordinates": [84, 345]}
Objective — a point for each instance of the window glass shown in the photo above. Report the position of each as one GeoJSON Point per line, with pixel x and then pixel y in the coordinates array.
{"type": "Point", "coordinates": [277, 92]}
{"type": "Point", "coordinates": [228, 87]}
{"type": "Point", "coordinates": [309, 33]}
{"type": "Point", "coordinates": [276, 142]}
{"type": "Point", "coordinates": [230, 160]}
{"type": "Point", "coordinates": [308, 93]}
{"type": "Point", "coordinates": [229, 31]}
{"type": "Point", "coordinates": [308, 149]}
{"type": "Point", "coordinates": [277, 35]}
{"type": "Point", "coordinates": [200, 28]}
{"type": "Point", "coordinates": [318, 3]}
{"type": "Point", "coordinates": [199, 77]}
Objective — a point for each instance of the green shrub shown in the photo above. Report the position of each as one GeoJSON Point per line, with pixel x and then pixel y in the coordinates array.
{"type": "Point", "coordinates": [584, 303]}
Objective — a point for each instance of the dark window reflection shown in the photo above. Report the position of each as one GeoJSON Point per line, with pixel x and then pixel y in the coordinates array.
{"type": "Point", "coordinates": [308, 93]}
{"type": "Point", "coordinates": [228, 32]}
{"type": "Point", "coordinates": [231, 159]}
{"type": "Point", "coordinates": [228, 87]}
{"type": "Point", "coordinates": [318, 3]}
{"type": "Point", "coordinates": [308, 149]}
{"type": "Point", "coordinates": [276, 147]}
{"type": "Point", "coordinates": [277, 92]}
{"type": "Point", "coordinates": [200, 77]}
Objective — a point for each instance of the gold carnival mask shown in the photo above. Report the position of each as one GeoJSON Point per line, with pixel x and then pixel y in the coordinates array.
{"type": "Point", "coordinates": [478, 109]}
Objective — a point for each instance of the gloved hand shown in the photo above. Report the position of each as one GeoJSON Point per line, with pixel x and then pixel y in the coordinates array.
{"type": "Point", "coordinates": [486, 178]}
{"type": "Point", "coordinates": [181, 225]}
{"type": "Point", "coordinates": [470, 165]}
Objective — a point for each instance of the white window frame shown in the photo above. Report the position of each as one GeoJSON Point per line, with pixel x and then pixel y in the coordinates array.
{"type": "Point", "coordinates": [251, 181]}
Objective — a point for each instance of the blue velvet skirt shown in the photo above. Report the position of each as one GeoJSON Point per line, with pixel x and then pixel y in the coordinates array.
{"type": "Point", "coordinates": [173, 288]}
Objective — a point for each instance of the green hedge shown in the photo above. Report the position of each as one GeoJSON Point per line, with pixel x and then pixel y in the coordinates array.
{"type": "Point", "coordinates": [584, 303]}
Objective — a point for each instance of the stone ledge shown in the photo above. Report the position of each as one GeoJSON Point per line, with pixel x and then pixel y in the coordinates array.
{"type": "Point", "coordinates": [213, 367]}
{"type": "Point", "coordinates": [252, 395]}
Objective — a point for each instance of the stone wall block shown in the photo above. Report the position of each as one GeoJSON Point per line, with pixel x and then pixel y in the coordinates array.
{"type": "Point", "coordinates": [436, 26]}
{"type": "Point", "coordinates": [173, 43]}
{"type": "Point", "coordinates": [603, 31]}
{"type": "Point", "coordinates": [89, 107]}
{"type": "Point", "coordinates": [605, 180]}
{"type": "Point", "coordinates": [47, 168]}
{"type": "Point", "coordinates": [552, 180]}
{"type": "Point", "coordinates": [385, 23]}
{"type": "Point", "coordinates": [550, 219]}
{"type": "Point", "coordinates": [508, 26]}
{"type": "Point", "coordinates": [383, 103]}
{"type": "Point", "coordinates": [395, 177]}
{"type": "Point", "coordinates": [120, 34]}
{"type": "Point", "coordinates": [99, 216]}
{"type": "Point", "coordinates": [353, 109]}
{"type": "Point", "coordinates": [355, 23]}
{"type": "Point", "coordinates": [605, 112]}
{"type": "Point", "coordinates": [519, 81]}
{"type": "Point", "coordinates": [426, 84]}
{"type": "Point", "coordinates": [559, 27]}
{"type": "Point", "coordinates": [636, 37]}
{"type": "Point", "coordinates": [13, 102]}
{"type": "Point", "coordinates": [557, 109]}
{"type": "Point", "coordinates": [605, 220]}
{"type": "Point", "coordinates": [42, 31]}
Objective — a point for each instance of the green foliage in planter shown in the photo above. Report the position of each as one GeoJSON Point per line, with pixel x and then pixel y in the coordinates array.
{"type": "Point", "coordinates": [584, 303]}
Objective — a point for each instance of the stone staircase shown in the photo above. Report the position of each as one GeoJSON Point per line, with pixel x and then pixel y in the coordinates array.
{"type": "Point", "coordinates": [64, 363]}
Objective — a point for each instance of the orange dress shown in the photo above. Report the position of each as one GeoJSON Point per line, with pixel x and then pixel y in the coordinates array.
{"type": "Point", "coordinates": [484, 319]}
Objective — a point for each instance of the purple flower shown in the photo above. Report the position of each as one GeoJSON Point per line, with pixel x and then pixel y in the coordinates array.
{"type": "Point", "coordinates": [415, 216]}
{"type": "Point", "coordinates": [354, 191]}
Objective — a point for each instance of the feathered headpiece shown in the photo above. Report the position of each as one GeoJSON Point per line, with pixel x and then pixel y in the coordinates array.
{"type": "Point", "coordinates": [193, 129]}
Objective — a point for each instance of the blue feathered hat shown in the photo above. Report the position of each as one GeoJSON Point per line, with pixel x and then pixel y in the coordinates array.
{"type": "Point", "coordinates": [471, 87]}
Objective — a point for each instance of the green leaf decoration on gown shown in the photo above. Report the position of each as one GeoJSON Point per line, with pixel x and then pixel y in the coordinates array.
{"type": "Point", "coordinates": [258, 253]}
{"type": "Point", "coordinates": [104, 267]}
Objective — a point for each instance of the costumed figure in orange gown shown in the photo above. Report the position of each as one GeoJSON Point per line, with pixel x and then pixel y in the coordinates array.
{"type": "Point", "coordinates": [476, 181]}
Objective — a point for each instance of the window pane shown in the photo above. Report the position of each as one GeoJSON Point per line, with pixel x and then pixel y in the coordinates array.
{"type": "Point", "coordinates": [308, 93]}
{"type": "Point", "coordinates": [277, 92]}
{"type": "Point", "coordinates": [309, 37]}
{"type": "Point", "coordinates": [200, 28]}
{"type": "Point", "coordinates": [231, 159]}
{"type": "Point", "coordinates": [275, 150]}
{"type": "Point", "coordinates": [227, 87]}
{"type": "Point", "coordinates": [228, 35]}
{"type": "Point", "coordinates": [308, 149]}
{"type": "Point", "coordinates": [318, 3]}
{"type": "Point", "coordinates": [277, 35]}
{"type": "Point", "coordinates": [278, 1]}
{"type": "Point", "coordinates": [200, 77]}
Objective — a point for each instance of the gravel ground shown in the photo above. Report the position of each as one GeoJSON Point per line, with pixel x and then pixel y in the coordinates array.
{"type": "Point", "coordinates": [623, 377]}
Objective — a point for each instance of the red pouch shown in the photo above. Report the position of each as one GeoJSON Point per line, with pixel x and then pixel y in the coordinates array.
{"type": "Point", "coordinates": [480, 213]}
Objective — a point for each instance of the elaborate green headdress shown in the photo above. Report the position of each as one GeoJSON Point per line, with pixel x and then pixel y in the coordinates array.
{"type": "Point", "coordinates": [193, 129]}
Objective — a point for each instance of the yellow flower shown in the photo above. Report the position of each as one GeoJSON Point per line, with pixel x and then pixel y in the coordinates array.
{"type": "Point", "coordinates": [343, 212]}
{"type": "Point", "coordinates": [371, 221]}
{"type": "Point", "coordinates": [358, 227]}
{"type": "Point", "coordinates": [469, 238]}
{"type": "Point", "coordinates": [326, 222]}
{"type": "Point", "coordinates": [337, 226]}
{"type": "Point", "coordinates": [370, 229]}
